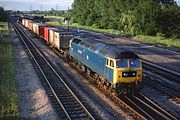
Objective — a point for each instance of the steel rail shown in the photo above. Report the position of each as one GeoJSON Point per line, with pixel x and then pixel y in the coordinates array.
{"type": "Point", "coordinates": [160, 109]}
{"type": "Point", "coordinates": [147, 108]}
{"type": "Point", "coordinates": [164, 69]}
{"type": "Point", "coordinates": [90, 116]}
{"type": "Point", "coordinates": [171, 75]}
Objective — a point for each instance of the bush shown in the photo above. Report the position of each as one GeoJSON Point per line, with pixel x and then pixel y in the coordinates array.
{"type": "Point", "coordinates": [3, 16]}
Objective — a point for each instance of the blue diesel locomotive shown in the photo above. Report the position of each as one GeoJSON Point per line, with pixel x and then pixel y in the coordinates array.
{"type": "Point", "coordinates": [117, 69]}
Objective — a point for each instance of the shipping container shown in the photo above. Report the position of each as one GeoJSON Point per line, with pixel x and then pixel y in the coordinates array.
{"type": "Point", "coordinates": [26, 23]}
{"type": "Point", "coordinates": [38, 28]}
{"type": "Point", "coordinates": [23, 22]}
{"type": "Point", "coordinates": [51, 34]}
{"type": "Point", "coordinates": [61, 39]}
{"type": "Point", "coordinates": [46, 32]}
{"type": "Point", "coordinates": [34, 27]}
{"type": "Point", "coordinates": [30, 25]}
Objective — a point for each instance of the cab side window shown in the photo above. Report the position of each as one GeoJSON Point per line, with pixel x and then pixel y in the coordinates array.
{"type": "Point", "coordinates": [107, 62]}
{"type": "Point", "coordinates": [77, 41]}
{"type": "Point", "coordinates": [111, 63]}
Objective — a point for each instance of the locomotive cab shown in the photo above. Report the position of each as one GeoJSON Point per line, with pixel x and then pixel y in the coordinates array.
{"type": "Point", "coordinates": [125, 73]}
{"type": "Point", "coordinates": [125, 70]}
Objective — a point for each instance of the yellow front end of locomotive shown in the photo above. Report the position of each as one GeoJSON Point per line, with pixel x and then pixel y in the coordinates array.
{"type": "Point", "coordinates": [128, 73]}
{"type": "Point", "coordinates": [120, 75]}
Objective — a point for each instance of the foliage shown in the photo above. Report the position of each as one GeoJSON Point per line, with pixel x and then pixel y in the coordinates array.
{"type": "Point", "coordinates": [51, 12]}
{"type": "Point", "coordinates": [147, 17]}
{"type": "Point", "coordinates": [169, 21]}
{"type": "Point", "coordinates": [3, 16]}
{"type": "Point", "coordinates": [94, 28]}
{"type": "Point", "coordinates": [8, 94]}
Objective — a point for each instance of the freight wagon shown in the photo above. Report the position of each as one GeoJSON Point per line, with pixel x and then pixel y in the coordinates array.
{"type": "Point", "coordinates": [61, 39]}
{"type": "Point", "coordinates": [38, 28]}
{"type": "Point", "coordinates": [48, 34]}
{"type": "Point", "coordinates": [26, 22]}
{"type": "Point", "coordinates": [30, 24]}
{"type": "Point", "coordinates": [23, 22]}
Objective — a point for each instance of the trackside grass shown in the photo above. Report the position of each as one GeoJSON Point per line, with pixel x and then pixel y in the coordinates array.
{"type": "Point", "coordinates": [170, 42]}
{"type": "Point", "coordinates": [94, 28]}
{"type": "Point", "coordinates": [8, 94]}
{"type": "Point", "coordinates": [55, 21]}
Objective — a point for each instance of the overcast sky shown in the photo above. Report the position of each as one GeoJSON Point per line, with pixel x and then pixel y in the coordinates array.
{"type": "Point", "coordinates": [27, 5]}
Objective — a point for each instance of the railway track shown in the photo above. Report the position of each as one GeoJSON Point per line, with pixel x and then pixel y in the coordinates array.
{"type": "Point", "coordinates": [67, 105]}
{"type": "Point", "coordinates": [169, 74]}
{"type": "Point", "coordinates": [147, 108]}
{"type": "Point", "coordinates": [161, 86]}
{"type": "Point", "coordinates": [138, 103]}
{"type": "Point", "coordinates": [143, 108]}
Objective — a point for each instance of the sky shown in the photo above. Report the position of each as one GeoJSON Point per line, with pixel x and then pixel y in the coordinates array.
{"type": "Point", "coordinates": [27, 5]}
{"type": "Point", "coordinates": [178, 2]}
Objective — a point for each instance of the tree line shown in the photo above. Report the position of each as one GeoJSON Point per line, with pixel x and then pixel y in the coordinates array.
{"type": "Point", "coordinates": [3, 16]}
{"type": "Point", "coordinates": [147, 17]}
{"type": "Point", "coordinates": [51, 12]}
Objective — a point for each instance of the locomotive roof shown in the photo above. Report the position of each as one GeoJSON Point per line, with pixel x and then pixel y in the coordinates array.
{"type": "Point", "coordinates": [106, 49]}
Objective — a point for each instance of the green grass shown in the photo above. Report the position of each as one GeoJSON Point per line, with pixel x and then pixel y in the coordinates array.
{"type": "Point", "coordinates": [8, 94]}
{"type": "Point", "coordinates": [94, 28]}
{"type": "Point", "coordinates": [55, 17]}
{"type": "Point", "coordinates": [54, 23]}
{"type": "Point", "coordinates": [4, 28]}
{"type": "Point", "coordinates": [170, 42]}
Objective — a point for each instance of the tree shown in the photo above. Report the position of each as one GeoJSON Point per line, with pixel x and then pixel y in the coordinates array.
{"type": "Point", "coordinates": [145, 17]}
{"type": "Point", "coordinates": [169, 21]}
{"type": "Point", "coordinates": [3, 16]}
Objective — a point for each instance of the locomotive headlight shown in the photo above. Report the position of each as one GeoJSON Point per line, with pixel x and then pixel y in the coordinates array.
{"type": "Point", "coordinates": [125, 74]}
{"type": "Point", "coordinates": [134, 74]}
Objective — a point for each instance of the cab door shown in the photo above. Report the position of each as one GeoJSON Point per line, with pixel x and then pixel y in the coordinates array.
{"type": "Point", "coordinates": [109, 69]}
{"type": "Point", "coordinates": [106, 69]}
